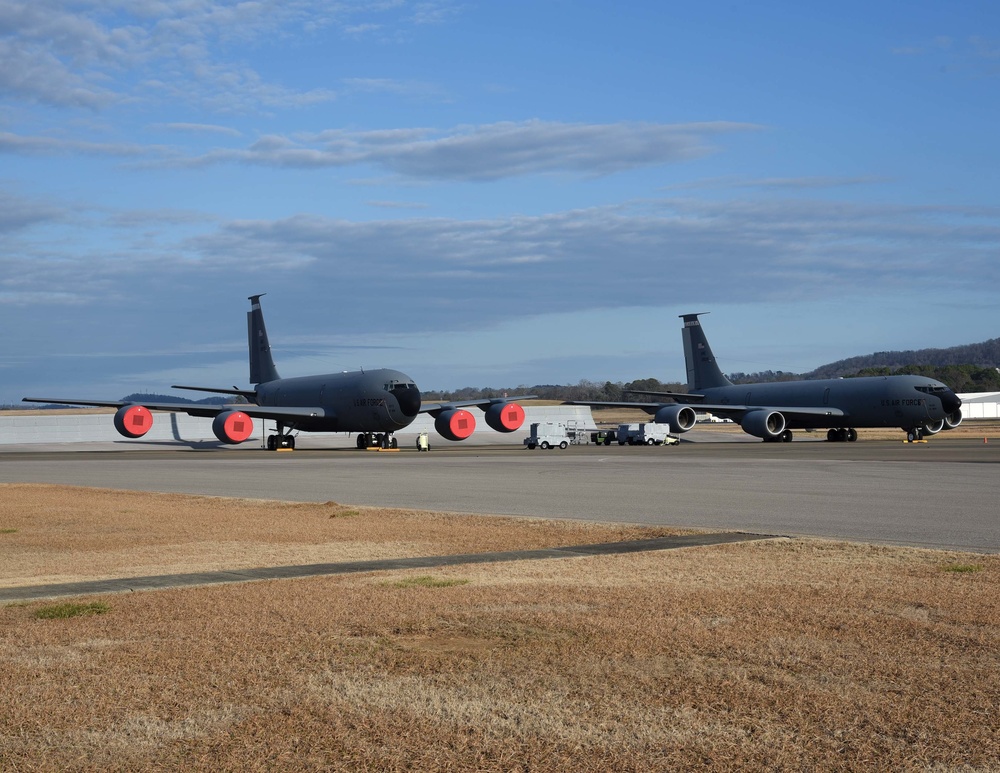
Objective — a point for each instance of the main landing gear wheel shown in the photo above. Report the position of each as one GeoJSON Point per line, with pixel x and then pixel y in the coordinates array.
{"type": "Point", "coordinates": [274, 442]}
{"type": "Point", "coordinates": [376, 440]}
{"type": "Point", "coordinates": [842, 435]}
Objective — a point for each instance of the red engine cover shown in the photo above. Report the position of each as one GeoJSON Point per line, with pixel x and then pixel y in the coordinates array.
{"type": "Point", "coordinates": [133, 420]}
{"type": "Point", "coordinates": [505, 417]}
{"type": "Point", "coordinates": [456, 424]}
{"type": "Point", "coordinates": [232, 427]}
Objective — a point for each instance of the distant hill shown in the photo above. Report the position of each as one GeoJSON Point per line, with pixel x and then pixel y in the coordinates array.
{"type": "Point", "coordinates": [984, 355]}
{"type": "Point", "coordinates": [140, 397]}
{"type": "Point", "coordinates": [967, 368]}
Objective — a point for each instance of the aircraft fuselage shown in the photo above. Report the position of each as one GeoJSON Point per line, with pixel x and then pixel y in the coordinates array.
{"type": "Point", "coordinates": [877, 401]}
{"type": "Point", "coordinates": [364, 401]}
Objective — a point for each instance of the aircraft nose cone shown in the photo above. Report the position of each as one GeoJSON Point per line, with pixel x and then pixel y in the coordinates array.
{"type": "Point", "coordinates": [408, 397]}
{"type": "Point", "coordinates": [950, 402]}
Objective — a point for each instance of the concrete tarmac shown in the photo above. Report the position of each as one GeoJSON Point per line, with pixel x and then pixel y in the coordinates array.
{"type": "Point", "coordinates": [942, 494]}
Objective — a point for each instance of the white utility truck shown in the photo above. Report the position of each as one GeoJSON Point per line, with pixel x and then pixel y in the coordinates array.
{"type": "Point", "coordinates": [548, 434]}
{"type": "Point", "coordinates": [648, 434]}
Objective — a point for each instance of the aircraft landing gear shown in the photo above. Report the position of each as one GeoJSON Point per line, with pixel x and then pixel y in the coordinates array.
{"type": "Point", "coordinates": [281, 441]}
{"type": "Point", "coordinates": [842, 435]}
{"type": "Point", "coordinates": [915, 435]}
{"type": "Point", "coordinates": [377, 440]}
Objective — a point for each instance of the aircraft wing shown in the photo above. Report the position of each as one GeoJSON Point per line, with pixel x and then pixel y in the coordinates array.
{"type": "Point", "coordinates": [484, 403]}
{"type": "Point", "coordinates": [789, 410]}
{"type": "Point", "coordinates": [192, 409]}
{"type": "Point", "coordinates": [648, 407]}
{"type": "Point", "coordinates": [724, 409]}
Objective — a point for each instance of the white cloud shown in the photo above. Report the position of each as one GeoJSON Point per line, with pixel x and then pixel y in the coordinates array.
{"type": "Point", "coordinates": [198, 128]}
{"type": "Point", "coordinates": [439, 272]}
{"type": "Point", "coordinates": [95, 53]}
{"type": "Point", "coordinates": [486, 152]}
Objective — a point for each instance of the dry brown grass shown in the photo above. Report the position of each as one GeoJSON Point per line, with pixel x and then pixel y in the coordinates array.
{"type": "Point", "coordinates": [57, 534]}
{"type": "Point", "coordinates": [768, 655]}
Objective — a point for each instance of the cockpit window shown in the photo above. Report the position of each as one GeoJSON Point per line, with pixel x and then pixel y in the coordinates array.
{"type": "Point", "coordinates": [932, 390]}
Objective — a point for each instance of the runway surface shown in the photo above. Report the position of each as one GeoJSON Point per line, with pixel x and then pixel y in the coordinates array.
{"type": "Point", "coordinates": [943, 494]}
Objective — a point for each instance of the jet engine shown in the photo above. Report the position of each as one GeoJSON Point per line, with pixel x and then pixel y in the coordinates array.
{"type": "Point", "coordinates": [455, 424]}
{"type": "Point", "coordinates": [953, 419]}
{"type": "Point", "coordinates": [232, 427]}
{"type": "Point", "coordinates": [505, 417]}
{"type": "Point", "coordinates": [765, 424]}
{"type": "Point", "coordinates": [934, 427]}
{"type": "Point", "coordinates": [680, 418]}
{"type": "Point", "coordinates": [133, 420]}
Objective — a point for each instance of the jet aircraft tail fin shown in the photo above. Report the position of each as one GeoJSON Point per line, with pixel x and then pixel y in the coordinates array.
{"type": "Point", "coordinates": [702, 370]}
{"type": "Point", "coordinates": [261, 364]}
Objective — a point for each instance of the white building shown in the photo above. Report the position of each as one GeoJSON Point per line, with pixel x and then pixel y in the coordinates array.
{"type": "Point", "coordinates": [980, 405]}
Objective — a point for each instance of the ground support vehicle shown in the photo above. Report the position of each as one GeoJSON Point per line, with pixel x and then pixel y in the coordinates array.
{"type": "Point", "coordinates": [548, 434]}
{"type": "Point", "coordinates": [648, 434]}
{"type": "Point", "coordinates": [604, 437]}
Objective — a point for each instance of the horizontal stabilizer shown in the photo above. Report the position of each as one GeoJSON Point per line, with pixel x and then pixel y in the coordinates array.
{"type": "Point", "coordinates": [249, 394]}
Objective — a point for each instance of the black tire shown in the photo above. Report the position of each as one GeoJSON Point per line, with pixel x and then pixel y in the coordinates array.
{"type": "Point", "coordinates": [544, 445]}
{"type": "Point", "coordinates": [564, 445]}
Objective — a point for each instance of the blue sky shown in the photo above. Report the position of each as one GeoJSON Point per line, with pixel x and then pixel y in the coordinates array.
{"type": "Point", "coordinates": [489, 193]}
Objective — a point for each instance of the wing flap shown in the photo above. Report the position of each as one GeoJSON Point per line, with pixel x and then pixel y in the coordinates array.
{"type": "Point", "coordinates": [481, 403]}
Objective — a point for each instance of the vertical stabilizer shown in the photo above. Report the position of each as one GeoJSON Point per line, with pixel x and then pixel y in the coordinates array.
{"type": "Point", "coordinates": [702, 370]}
{"type": "Point", "coordinates": [261, 365]}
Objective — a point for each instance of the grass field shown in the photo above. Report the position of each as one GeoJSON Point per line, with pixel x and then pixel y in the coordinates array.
{"type": "Point", "coordinates": [782, 654]}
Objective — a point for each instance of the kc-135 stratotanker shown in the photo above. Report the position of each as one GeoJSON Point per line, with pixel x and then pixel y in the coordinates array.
{"type": "Point", "coordinates": [373, 403]}
{"type": "Point", "coordinates": [918, 405]}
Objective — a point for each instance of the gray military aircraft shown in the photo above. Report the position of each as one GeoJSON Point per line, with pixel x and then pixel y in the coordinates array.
{"type": "Point", "coordinates": [373, 403]}
{"type": "Point", "coordinates": [918, 405]}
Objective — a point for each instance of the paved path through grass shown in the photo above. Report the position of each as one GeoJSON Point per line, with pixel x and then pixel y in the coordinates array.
{"type": "Point", "coordinates": [159, 582]}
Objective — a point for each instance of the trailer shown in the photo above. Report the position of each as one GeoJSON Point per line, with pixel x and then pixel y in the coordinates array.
{"type": "Point", "coordinates": [647, 434]}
